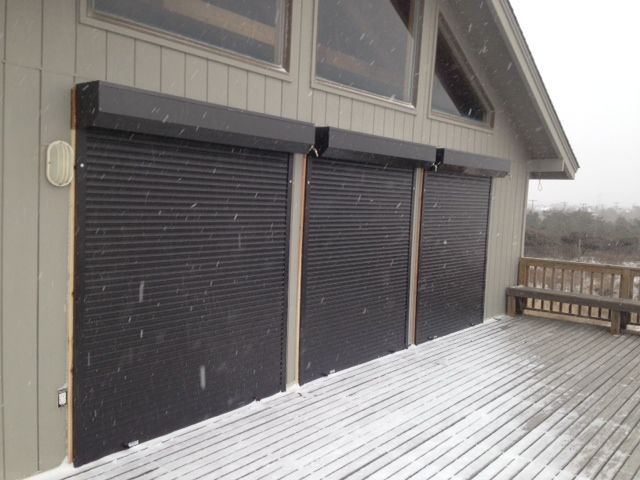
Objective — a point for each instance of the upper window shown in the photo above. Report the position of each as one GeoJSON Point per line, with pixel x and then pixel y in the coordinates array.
{"type": "Point", "coordinates": [254, 28]}
{"type": "Point", "coordinates": [369, 45]}
{"type": "Point", "coordinates": [455, 88]}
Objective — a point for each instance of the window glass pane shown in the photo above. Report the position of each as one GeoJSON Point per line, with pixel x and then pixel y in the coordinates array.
{"type": "Point", "coordinates": [255, 28]}
{"type": "Point", "coordinates": [453, 89]}
{"type": "Point", "coordinates": [369, 45]}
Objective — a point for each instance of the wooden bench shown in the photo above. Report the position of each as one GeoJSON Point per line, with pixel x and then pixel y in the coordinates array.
{"type": "Point", "coordinates": [515, 295]}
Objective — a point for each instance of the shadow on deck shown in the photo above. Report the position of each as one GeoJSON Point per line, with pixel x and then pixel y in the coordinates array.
{"type": "Point", "coordinates": [524, 398]}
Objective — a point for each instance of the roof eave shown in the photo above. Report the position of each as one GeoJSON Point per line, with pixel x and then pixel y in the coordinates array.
{"type": "Point", "coordinates": [554, 169]}
{"type": "Point", "coordinates": [507, 21]}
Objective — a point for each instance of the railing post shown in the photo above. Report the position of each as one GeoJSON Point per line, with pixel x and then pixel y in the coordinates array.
{"type": "Point", "coordinates": [615, 317]}
{"type": "Point", "coordinates": [626, 292]}
{"type": "Point", "coordinates": [523, 273]}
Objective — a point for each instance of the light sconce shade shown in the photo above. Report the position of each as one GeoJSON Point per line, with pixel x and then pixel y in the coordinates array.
{"type": "Point", "coordinates": [60, 160]}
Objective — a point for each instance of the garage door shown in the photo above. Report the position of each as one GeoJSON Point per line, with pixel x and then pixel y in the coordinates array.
{"type": "Point", "coordinates": [355, 264]}
{"type": "Point", "coordinates": [181, 272]}
{"type": "Point", "coordinates": [452, 254]}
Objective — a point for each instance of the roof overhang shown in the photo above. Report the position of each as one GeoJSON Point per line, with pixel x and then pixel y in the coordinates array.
{"type": "Point", "coordinates": [492, 34]}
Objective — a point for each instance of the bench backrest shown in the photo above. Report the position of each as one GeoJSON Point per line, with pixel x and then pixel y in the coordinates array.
{"type": "Point", "coordinates": [611, 281]}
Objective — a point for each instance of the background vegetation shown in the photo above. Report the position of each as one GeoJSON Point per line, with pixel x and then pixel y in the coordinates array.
{"type": "Point", "coordinates": [603, 235]}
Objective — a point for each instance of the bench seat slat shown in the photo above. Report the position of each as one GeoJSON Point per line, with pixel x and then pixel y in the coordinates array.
{"type": "Point", "coordinates": [618, 304]}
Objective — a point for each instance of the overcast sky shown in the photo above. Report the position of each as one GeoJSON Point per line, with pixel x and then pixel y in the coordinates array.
{"type": "Point", "coordinates": [588, 53]}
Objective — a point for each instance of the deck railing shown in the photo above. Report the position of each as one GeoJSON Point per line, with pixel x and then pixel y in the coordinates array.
{"type": "Point", "coordinates": [612, 281]}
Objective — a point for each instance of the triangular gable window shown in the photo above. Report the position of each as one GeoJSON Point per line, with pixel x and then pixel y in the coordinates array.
{"type": "Point", "coordinates": [455, 88]}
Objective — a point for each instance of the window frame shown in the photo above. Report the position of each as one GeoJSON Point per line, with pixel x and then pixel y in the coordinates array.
{"type": "Point", "coordinates": [159, 37]}
{"type": "Point", "coordinates": [354, 93]}
{"type": "Point", "coordinates": [443, 27]}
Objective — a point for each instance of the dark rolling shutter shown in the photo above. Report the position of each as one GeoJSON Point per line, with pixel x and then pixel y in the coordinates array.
{"type": "Point", "coordinates": [355, 264]}
{"type": "Point", "coordinates": [452, 254]}
{"type": "Point", "coordinates": [181, 270]}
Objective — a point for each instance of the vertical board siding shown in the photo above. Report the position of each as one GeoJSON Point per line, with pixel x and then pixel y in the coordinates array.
{"type": "Point", "coordinates": [273, 100]}
{"type": "Point", "coordinates": [298, 95]}
{"type": "Point", "coordinates": [196, 78]}
{"type": "Point", "coordinates": [59, 36]}
{"type": "Point", "coordinates": [369, 120]}
{"type": "Point", "coordinates": [41, 52]}
{"type": "Point", "coordinates": [357, 116]}
{"type": "Point", "coordinates": [148, 65]}
{"type": "Point", "coordinates": [289, 100]}
{"type": "Point", "coordinates": [218, 83]}
{"type": "Point", "coordinates": [2, 11]}
{"type": "Point", "coordinates": [59, 68]}
{"type": "Point", "coordinates": [332, 112]}
{"type": "Point", "coordinates": [398, 125]}
{"type": "Point", "coordinates": [378, 120]}
{"type": "Point", "coordinates": [499, 228]}
{"type": "Point", "coordinates": [496, 236]}
{"type": "Point", "coordinates": [389, 122]}
{"type": "Point", "coordinates": [256, 93]}
{"type": "Point", "coordinates": [24, 32]}
{"type": "Point", "coordinates": [91, 51]}
{"type": "Point", "coordinates": [506, 231]}
{"type": "Point", "coordinates": [172, 76]}
{"type": "Point", "coordinates": [3, 7]}
{"type": "Point", "coordinates": [409, 126]}
{"type": "Point", "coordinates": [344, 114]}
{"type": "Point", "coordinates": [425, 134]}
{"type": "Point", "coordinates": [238, 82]}
{"type": "Point", "coordinates": [319, 112]}
{"type": "Point", "coordinates": [433, 134]}
{"type": "Point", "coordinates": [120, 59]}
{"type": "Point", "coordinates": [52, 276]}
{"type": "Point", "coordinates": [20, 270]}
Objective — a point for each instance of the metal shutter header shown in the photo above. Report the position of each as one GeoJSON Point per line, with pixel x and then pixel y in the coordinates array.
{"type": "Point", "coordinates": [115, 107]}
{"type": "Point", "coordinates": [345, 145]}
{"type": "Point", "coordinates": [471, 164]}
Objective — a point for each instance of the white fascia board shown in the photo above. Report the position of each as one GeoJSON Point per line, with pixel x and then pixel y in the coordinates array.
{"type": "Point", "coordinates": [550, 169]}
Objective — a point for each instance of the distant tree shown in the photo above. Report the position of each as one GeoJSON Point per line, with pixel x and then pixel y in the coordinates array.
{"type": "Point", "coordinates": [606, 234]}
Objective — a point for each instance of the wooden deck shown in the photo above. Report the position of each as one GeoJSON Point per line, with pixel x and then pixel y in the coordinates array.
{"type": "Point", "coordinates": [524, 398]}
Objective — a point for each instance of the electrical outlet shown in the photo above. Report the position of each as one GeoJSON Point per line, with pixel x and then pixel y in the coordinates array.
{"type": "Point", "coordinates": [62, 397]}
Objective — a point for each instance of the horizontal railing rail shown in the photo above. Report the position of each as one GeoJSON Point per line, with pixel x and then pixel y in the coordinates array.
{"type": "Point", "coordinates": [610, 281]}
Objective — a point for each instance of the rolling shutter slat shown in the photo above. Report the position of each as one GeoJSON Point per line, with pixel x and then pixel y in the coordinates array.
{"type": "Point", "coordinates": [452, 254]}
{"type": "Point", "coordinates": [355, 264]}
{"type": "Point", "coordinates": [181, 269]}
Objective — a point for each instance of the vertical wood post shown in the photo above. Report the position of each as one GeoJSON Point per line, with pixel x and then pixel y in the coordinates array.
{"type": "Point", "coordinates": [523, 273]}
{"type": "Point", "coordinates": [512, 310]}
{"type": "Point", "coordinates": [71, 282]}
{"type": "Point", "coordinates": [626, 291]}
{"type": "Point", "coordinates": [296, 228]}
{"type": "Point", "coordinates": [416, 224]}
{"type": "Point", "coordinates": [615, 322]}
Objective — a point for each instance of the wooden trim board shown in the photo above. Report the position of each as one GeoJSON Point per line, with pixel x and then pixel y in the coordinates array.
{"type": "Point", "coordinates": [70, 284]}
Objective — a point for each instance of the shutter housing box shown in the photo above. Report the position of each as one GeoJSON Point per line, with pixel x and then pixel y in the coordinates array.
{"type": "Point", "coordinates": [105, 105]}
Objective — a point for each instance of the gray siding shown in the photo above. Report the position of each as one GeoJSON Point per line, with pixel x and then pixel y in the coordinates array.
{"type": "Point", "coordinates": [46, 49]}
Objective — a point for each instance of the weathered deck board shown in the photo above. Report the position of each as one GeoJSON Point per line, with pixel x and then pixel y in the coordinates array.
{"type": "Point", "coordinates": [524, 398]}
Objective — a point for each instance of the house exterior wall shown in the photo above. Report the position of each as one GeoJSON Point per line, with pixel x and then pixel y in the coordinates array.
{"type": "Point", "coordinates": [48, 46]}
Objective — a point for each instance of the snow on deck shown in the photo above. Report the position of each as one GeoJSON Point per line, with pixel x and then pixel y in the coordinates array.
{"type": "Point", "coordinates": [524, 398]}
